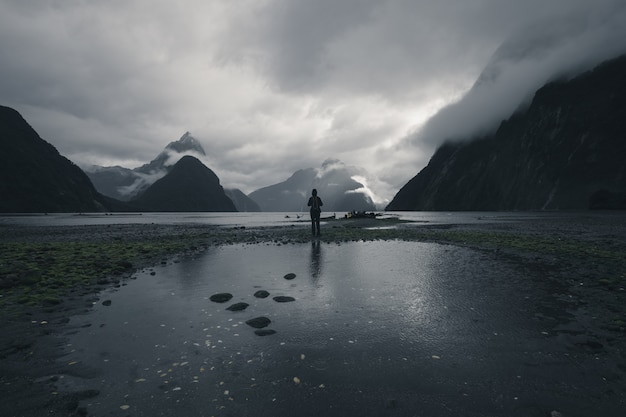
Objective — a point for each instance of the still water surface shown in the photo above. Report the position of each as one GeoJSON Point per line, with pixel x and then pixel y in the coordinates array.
{"type": "Point", "coordinates": [259, 219]}
{"type": "Point", "coordinates": [376, 328]}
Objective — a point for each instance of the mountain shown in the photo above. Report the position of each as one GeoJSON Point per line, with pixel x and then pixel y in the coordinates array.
{"type": "Point", "coordinates": [335, 184]}
{"type": "Point", "coordinates": [565, 151]}
{"type": "Point", "coordinates": [189, 187]}
{"type": "Point", "coordinates": [125, 184]}
{"type": "Point", "coordinates": [34, 177]}
{"type": "Point", "coordinates": [186, 145]}
{"type": "Point", "coordinates": [242, 202]}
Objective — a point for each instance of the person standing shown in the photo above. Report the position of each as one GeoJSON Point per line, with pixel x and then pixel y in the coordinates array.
{"type": "Point", "coordinates": [316, 209]}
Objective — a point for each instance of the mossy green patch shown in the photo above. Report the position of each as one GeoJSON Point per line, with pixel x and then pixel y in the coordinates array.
{"type": "Point", "coordinates": [40, 273]}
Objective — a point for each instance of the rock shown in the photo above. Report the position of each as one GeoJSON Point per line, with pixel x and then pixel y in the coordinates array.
{"type": "Point", "coordinates": [221, 297]}
{"type": "Point", "coordinates": [261, 294]}
{"type": "Point", "coordinates": [290, 276]}
{"type": "Point", "coordinates": [264, 332]}
{"type": "Point", "coordinates": [259, 322]}
{"type": "Point", "coordinates": [106, 303]}
{"type": "Point", "coordinates": [238, 307]}
{"type": "Point", "coordinates": [283, 299]}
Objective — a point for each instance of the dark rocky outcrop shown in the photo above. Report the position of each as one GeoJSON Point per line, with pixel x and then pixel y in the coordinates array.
{"type": "Point", "coordinates": [34, 177]}
{"type": "Point", "coordinates": [259, 322]}
{"type": "Point", "coordinates": [261, 294]}
{"type": "Point", "coordinates": [221, 297]}
{"type": "Point", "coordinates": [565, 151]}
{"type": "Point", "coordinates": [238, 307]}
{"type": "Point", "coordinates": [189, 187]}
{"type": "Point", "coordinates": [284, 299]}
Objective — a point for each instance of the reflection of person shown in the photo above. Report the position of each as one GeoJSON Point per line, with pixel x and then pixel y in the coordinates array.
{"type": "Point", "coordinates": [316, 209]}
{"type": "Point", "coordinates": [316, 260]}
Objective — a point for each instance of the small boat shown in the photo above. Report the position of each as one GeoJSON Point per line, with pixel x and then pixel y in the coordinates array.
{"type": "Point", "coordinates": [360, 215]}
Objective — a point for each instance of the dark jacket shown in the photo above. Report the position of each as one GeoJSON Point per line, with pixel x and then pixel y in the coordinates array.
{"type": "Point", "coordinates": [315, 203]}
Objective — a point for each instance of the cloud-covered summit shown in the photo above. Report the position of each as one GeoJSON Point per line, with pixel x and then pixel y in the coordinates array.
{"type": "Point", "coordinates": [551, 48]}
{"type": "Point", "coordinates": [126, 184]}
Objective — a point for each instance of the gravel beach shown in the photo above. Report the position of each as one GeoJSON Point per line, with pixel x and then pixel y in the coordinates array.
{"type": "Point", "coordinates": [49, 274]}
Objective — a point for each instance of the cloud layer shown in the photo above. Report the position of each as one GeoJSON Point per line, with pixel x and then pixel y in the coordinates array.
{"type": "Point", "coordinates": [272, 86]}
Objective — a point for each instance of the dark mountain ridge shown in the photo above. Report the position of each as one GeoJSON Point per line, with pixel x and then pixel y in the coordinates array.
{"type": "Point", "coordinates": [34, 177]}
{"type": "Point", "coordinates": [242, 202]}
{"type": "Point", "coordinates": [129, 184]}
{"type": "Point", "coordinates": [189, 187]}
{"type": "Point", "coordinates": [564, 152]}
{"type": "Point", "coordinates": [125, 184]}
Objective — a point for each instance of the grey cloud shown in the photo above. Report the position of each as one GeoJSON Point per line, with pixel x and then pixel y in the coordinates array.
{"type": "Point", "coordinates": [269, 87]}
{"type": "Point", "coordinates": [547, 49]}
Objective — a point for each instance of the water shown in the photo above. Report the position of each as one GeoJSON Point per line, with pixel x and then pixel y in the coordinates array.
{"type": "Point", "coordinates": [260, 219]}
{"type": "Point", "coordinates": [376, 328]}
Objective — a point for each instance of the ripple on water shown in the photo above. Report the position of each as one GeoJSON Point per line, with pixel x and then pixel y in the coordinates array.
{"type": "Point", "coordinates": [377, 311]}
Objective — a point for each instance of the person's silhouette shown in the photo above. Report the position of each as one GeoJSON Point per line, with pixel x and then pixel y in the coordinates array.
{"type": "Point", "coordinates": [316, 209]}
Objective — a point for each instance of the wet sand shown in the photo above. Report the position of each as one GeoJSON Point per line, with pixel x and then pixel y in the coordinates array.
{"type": "Point", "coordinates": [571, 346]}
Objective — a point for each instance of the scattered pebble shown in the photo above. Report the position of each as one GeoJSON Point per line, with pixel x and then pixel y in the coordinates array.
{"type": "Point", "coordinates": [238, 307]}
{"type": "Point", "coordinates": [259, 322]}
{"type": "Point", "coordinates": [283, 299]}
{"type": "Point", "coordinates": [261, 294]}
{"type": "Point", "coordinates": [290, 276]}
{"type": "Point", "coordinates": [221, 297]}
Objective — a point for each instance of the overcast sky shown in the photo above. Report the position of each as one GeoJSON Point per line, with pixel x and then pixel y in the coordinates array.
{"type": "Point", "coordinates": [271, 86]}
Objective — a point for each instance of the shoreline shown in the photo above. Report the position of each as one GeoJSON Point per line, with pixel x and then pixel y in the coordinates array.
{"type": "Point", "coordinates": [587, 254]}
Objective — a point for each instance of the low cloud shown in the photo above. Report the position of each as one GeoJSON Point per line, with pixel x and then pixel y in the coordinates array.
{"type": "Point", "coordinates": [547, 50]}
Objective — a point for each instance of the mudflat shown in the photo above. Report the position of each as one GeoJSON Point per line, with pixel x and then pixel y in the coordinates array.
{"type": "Point", "coordinates": [51, 274]}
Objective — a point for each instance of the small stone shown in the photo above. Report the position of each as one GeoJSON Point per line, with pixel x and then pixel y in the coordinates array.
{"type": "Point", "coordinates": [290, 276]}
{"type": "Point", "coordinates": [221, 297]}
{"type": "Point", "coordinates": [106, 303]}
{"type": "Point", "coordinates": [264, 332]}
{"type": "Point", "coordinates": [261, 294]}
{"type": "Point", "coordinates": [238, 307]}
{"type": "Point", "coordinates": [283, 299]}
{"type": "Point", "coordinates": [259, 322]}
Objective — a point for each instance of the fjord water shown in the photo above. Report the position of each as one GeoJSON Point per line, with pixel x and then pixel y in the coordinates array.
{"type": "Point", "coordinates": [376, 328]}
{"type": "Point", "coordinates": [258, 219]}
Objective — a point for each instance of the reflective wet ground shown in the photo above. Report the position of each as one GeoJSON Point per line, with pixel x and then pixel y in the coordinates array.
{"type": "Point", "coordinates": [376, 329]}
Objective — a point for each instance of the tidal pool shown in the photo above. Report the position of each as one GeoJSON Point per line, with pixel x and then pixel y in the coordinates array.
{"type": "Point", "coordinates": [376, 328]}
